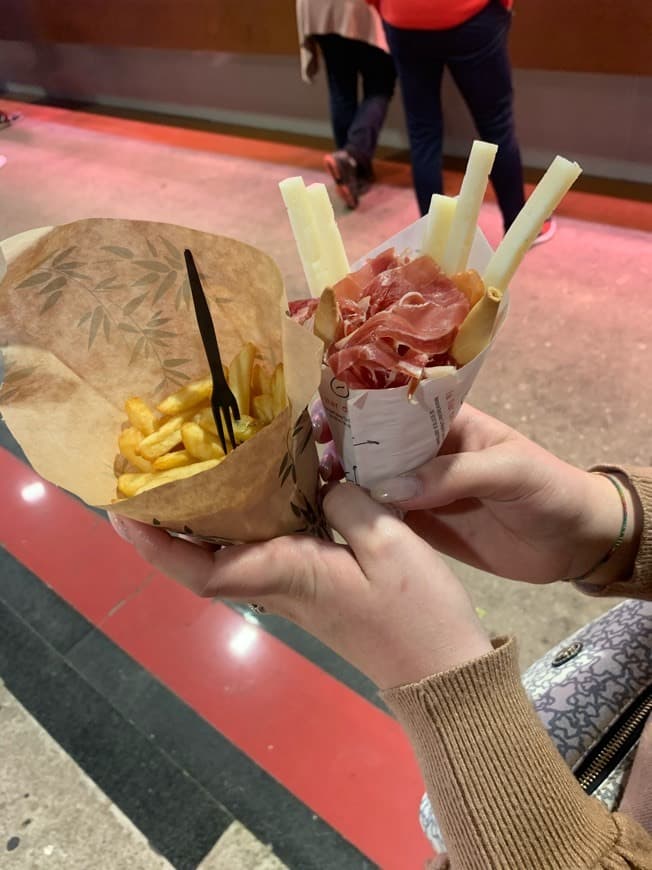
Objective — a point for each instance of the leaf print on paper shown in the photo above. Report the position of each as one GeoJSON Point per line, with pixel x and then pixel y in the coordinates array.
{"type": "Point", "coordinates": [151, 265]}
{"type": "Point", "coordinates": [146, 279]}
{"type": "Point", "coordinates": [126, 327]}
{"type": "Point", "coordinates": [53, 285]}
{"type": "Point", "coordinates": [166, 284]}
{"type": "Point", "coordinates": [134, 303]}
{"type": "Point", "coordinates": [137, 350]}
{"type": "Point", "coordinates": [62, 256]}
{"type": "Point", "coordinates": [96, 322]}
{"type": "Point", "coordinates": [52, 300]}
{"type": "Point", "coordinates": [284, 464]}
{"type": "Point", "coordinates": [34, 280]}
{"type": "Point", "coordinates": [107, 284]}
{"type": "Point", "coordinates": [315, 523]}
{"type": "Point", "coordinates": [125, 253]}
{"type": "Point", "coordinates": [16, 382]}
{"type": "Point", "coordinates": [183, 295]}
{"type": "Point", "coordinates": [173, 253]}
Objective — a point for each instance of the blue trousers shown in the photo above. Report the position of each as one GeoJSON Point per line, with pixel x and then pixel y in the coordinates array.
{"type": "Point", "coordinates": [475, 53]}
{"type": "Point", "coordinates": [357, 122]}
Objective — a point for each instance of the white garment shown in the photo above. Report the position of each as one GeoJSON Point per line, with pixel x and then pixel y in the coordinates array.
{"type": "Point", "coordinates": [354, 19]}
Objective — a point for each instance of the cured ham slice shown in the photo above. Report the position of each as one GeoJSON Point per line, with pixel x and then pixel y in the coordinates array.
{"type": "Point", "coordinates": [302, 310]}
{"type": "Point", "coordinates": [398, 317]}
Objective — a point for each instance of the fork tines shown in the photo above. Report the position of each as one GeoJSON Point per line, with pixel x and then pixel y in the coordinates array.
{"type": "Point", "coordinates": [223, 402]}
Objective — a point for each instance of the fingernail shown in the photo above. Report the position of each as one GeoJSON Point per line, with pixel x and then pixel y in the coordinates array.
{"type": "Point", "coordinates": [326, 467]}
{"type": "Point", "coordinates": [120, 527]}
{"type": "Point", "coordinates": [317, 425]}
{"type": "Point", "coordinates": [396, 489]}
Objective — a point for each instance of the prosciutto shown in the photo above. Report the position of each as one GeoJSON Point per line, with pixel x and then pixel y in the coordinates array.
{"type": "Point", "coordinates": [399, 316]}
{"type": "Point", "coordinates": [302, 310]}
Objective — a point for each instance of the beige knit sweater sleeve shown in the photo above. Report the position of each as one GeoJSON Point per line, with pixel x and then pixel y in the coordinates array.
{"type": "Point", "coordinates": [503, 796]}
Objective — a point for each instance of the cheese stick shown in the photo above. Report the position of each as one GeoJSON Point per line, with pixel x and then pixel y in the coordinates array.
{"type": "Point", "coordinates": [332, 256]}
{"type": "Point", "coordinates": [438, 224]}
{"type": "Point", "coordinates": [304, 229]}
{"type": "Point", "coordinates": [519, 237]}
{"type": "Point", "coordinates": [465, 219]}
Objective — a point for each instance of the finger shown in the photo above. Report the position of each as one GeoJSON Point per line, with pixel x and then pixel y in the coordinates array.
{"type": "Point", "coordinates": [491, 473]}
{"type": "Point", "coordinates": [280, 571]}
{"type": "Point", "coordinates": [473, 430]}
{"type": "Point", "coordinates": [369, 528]}
{"type": "Point", "coordinates": [330, 467]}
{"type": "Point", "coordinates": [188, 564]}
{"type": "Point", "coordinates": [320, 427]}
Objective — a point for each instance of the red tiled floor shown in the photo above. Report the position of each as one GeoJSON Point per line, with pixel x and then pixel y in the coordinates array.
{"type": "Point", "coordinates": [333, 750]}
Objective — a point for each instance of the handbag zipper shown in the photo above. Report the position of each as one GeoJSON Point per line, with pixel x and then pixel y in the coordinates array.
{"type": "Point", "coordinates": [615, 744]}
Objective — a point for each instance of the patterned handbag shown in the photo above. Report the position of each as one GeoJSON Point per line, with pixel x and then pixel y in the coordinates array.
{"type": "Point", "coordinates": [593, 693]}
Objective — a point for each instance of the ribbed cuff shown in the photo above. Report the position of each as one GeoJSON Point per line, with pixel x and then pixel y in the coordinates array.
{"type": "Point", "coordinates": [639, 585]}
{"type": "Point", "coordinates": [502, 794]}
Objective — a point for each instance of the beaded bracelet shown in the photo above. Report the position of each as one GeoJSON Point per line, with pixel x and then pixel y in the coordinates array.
{"type": "Point", "coordinates": [621, 534]}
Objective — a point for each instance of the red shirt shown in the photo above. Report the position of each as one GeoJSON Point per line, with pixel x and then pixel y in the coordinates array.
{"type": "Point", "coordinates": [430, 14]}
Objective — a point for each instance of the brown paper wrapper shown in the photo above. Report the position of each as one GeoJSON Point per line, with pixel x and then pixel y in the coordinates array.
{"type": "Point", "coordinates": [99, 310]}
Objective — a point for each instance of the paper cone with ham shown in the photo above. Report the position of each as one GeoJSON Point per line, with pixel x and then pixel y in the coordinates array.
{"type": "Point", "coordinates": [408, 327]}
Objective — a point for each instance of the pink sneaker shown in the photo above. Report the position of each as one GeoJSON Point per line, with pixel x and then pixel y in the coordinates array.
{"type": "Point", "coordinates": [546, 232]}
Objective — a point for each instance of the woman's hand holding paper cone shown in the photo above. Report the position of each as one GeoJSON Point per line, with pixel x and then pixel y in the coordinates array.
{"type": "Point", "coordinates": [386, 602]}
{"type": "Point", "coordinates": [496, 500]}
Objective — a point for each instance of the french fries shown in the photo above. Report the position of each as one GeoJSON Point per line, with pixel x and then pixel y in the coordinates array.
{"type": "Point", "coordinates": [181, 440]}
{"type": "Point", "coordinates": [240, 372]}
{"type": "Point", "coordinates": [199, 443]}
{"type": "Point", "coordinates": [140, 415]}
{"type": "Point", "coordinates": [243, 429]}
{"type": "Point", "coordinates": [277, 390]}
{"type": "Point", "coordinates": [172, 460]}
{"type": "Point", "coordinates": [134, 484]}
{"type": "Point", "coordinates": [187, 397]}
{"type": "Point", "coordinates": [129, 442]}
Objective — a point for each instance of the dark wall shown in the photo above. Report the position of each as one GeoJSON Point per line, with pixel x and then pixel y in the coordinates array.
{"type": "Point", "coordinates": [595, 36]}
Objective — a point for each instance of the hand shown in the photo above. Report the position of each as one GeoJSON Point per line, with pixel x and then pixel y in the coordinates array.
{"type": "Point", "coordinates": [386, 602]}
{"type": "Point", "coordinates": [496, 500]}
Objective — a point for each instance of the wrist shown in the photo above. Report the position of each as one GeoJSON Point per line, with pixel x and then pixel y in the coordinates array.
{"type": "Point", "coordinates": [443, 649]}
{"type": "Point", "coordinates": [608, 537]}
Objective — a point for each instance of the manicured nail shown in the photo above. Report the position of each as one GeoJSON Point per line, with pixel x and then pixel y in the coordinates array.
{"type": "Point", "coordinates": [317, 421]}
{"type": "Point", "coordinates": [326, 467]}
{"type": "Point", "coordinates": [396, 489]}
{"type": "Point", "coordinates": [120, 526]}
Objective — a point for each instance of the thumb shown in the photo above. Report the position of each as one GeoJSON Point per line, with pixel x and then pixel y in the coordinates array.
{"type": "Point", "coordinates": [443, 480]}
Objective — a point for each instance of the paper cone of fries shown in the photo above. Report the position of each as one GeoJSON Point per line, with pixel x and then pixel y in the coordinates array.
{"type": "Point", "coordinates": [97, 311]}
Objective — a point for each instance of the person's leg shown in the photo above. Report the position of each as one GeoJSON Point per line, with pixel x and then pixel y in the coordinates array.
{"type": "Point", "coordinates": [378, 81]}
{"type": "Point", "coordinates": [419, 66]}
{"type": "Point", "coordinates": [478, 59]}
{"type": "Point", "coordinates": [342, 75]}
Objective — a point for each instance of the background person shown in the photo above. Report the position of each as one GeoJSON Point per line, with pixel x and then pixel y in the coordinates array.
{"type": "Point", "coordinates": [349, 35]}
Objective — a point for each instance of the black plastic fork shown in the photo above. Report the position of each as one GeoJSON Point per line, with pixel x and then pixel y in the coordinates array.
{"type": "Point", "coordinates": [223, 402]}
